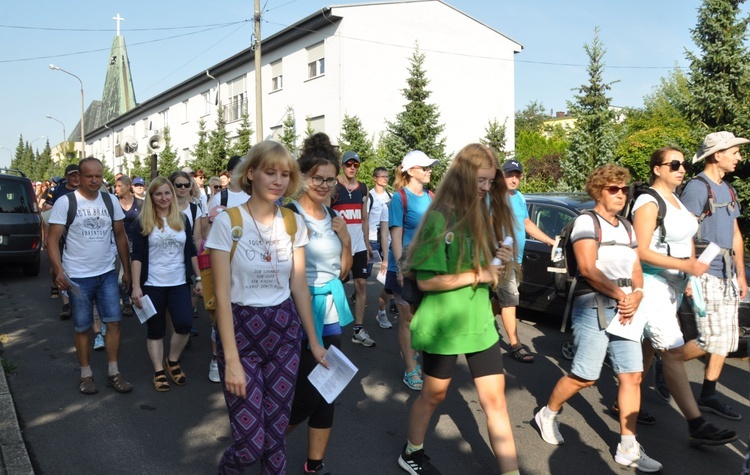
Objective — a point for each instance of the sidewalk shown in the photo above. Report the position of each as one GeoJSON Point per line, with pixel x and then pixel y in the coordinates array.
{"type": "Point", "coordinates": [14, 460]}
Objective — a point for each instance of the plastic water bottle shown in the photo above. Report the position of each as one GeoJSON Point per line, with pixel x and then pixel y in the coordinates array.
{"type": "Point", "coordinates": [508, 241]}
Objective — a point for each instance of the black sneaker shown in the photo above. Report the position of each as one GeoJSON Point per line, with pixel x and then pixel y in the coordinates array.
{"type": "Point", "coordinates": [714, 406]}
{"type": "Point", "coordinates": [417, 463]}
{"type": "Point", "coordinates": [66, 312]}
{"type": "Point", "coordinates": [660, 384]}
{"type": "Point", "coordinates": [708, 434]}
{"type": "Point", "coordinates": [644, 417]}
{"type": "Point", "coordinates": [394, 309]}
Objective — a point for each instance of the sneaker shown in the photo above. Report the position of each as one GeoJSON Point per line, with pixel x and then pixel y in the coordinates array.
{"type": "Point", "coordinates": [383, 321]}
{"type": "Point", "coordinates": [213, 371]}
{"type": "Point", "coordinates": [54, 292]}
{"type": "Point", "coordinates": [660, 384]}
{"type": "Point", "coordinates": [636, 457]}
{"type": "Point", "coordinates": [362, 338]}
{"type": "Point", "coordinates": [66, 312]}
{"type": "Point", "coordinates": [549, 428]}
{"type": "Point", "coordinates": [321, 470]}
{"type": "Point", "coordinates": [644, 417]}
{"type": "Point", "coordinates": [713, 405]}
{"type": "Point", "coordinates": [393, 309]}
{"type": "Point", "coordinates": [709, 434]}
{"type": "Point", "coordinates": [417, 463]}
{"type": "Point", "coordinates": [99, 342]}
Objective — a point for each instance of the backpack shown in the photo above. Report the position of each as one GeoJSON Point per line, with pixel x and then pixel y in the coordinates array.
{"type": "Point", "coordinates": [224, 197]}
{"type": "Point", "coordinates": [204, 260]}
{"type": "Point", "coordinates": [637, 189]}
{"type": "Point", "coordinates": [568, 280]}
{"type": "Point", "coordinates": [73, 208]}
{"type": "Point", "coordinates": [709, 207]}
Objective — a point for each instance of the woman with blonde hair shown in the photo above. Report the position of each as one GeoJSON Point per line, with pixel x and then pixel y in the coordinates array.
{"type": "Point", "coordinates": [451, 257]}
{"type": "Point", "coordinates": [164, 260]}
{"type": "Point", "coordinates": [262, 299]}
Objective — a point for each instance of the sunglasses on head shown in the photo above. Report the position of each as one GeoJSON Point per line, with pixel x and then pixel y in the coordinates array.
{"type": "Point", "coordinates": [613, 189]}
{"type": "Point", "coordinates": [182, 185]}
{"type": "Point", "coordinates": [351, 164]}
{"type": "Point", "coordinates": [675, 165]}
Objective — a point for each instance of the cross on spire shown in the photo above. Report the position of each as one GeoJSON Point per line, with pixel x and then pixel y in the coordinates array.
{"type": "Point", "coordinates": [118, 19]}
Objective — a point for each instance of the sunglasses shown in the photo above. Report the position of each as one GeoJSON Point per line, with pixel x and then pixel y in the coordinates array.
{"type": "Point", "coordinates": [613, 189]}
{"type": "Point", "coordinates": [182, 185]}
{"type": "Point", "coordinates": [216, 187]}
{"type": "Point", "coordinates": [351, 164]}
{"type": "Point", "coordinates": [675, 165]}
{"type": "Point", "coordinates": [426, 169]}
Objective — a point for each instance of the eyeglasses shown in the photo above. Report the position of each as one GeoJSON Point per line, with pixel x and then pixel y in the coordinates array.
{"type": "Point", "coordinates": [382, 176]}
{"type": "Point", "coordinates": [424, 169]}
{"type": "Point", "coordinates": [485, 181]}
{"type": "Point", "coordinates": [182, 185]}
{"type": "Point", "coordinates": [319, 180]}
{"type": "Point", "coordinates": [352, 164]}
{"type": "Point", "coordinates": [216, 187]}
{"type": "Point", "coordinates": [675, 165]}
{"type": "Point", "coordinates": [613, 189]}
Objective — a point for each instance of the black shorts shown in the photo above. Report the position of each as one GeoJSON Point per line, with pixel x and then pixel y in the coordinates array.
{"type": "Point", "coordinates": [360, 269]}
{"type": "Point", "coordinates": [482, 363]}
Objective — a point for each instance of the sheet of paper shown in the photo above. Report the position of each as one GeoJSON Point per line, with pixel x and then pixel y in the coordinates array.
{"type": "Point", "coordinates": [330, 382]}
{"type": "Point", "coordinates": [147, 309]}
{"type": "Point", "coordinates": [709, 253]}
{"type": "Point", "coordinates": [632, 331]}
{"type": "Point", "coordinates": [73, 288]}
{"type": "Point", "coordinates": [381, 277]}
{"type": "Point", "coordinates": [376, 257]}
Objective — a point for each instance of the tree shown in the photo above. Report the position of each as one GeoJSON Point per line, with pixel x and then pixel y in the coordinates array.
{"type": "Point", "coordinates": [168, 162]}
{"type": "Point", "coordinates": [43, 167]}
{"type": "Point", "coordinates": [495, 139]}
{"type": "Point", "coordinates": [201, 153]}
{"type": "Point", "coordinates": [139, 168]}
{"type": "Point", "coordinates": [218, 144]}
{"type": "Point", "coordinates": [289, 132]}
{"type": "Point", "coordinates": [531, 118]}
{"type": "Point", "coordinates": [354, 137]}
{"type": "Point", "coordinates": [242, 145]}
{"type": "Point", "coordinates": [417, 126]}
{"type": "Point", "coordinates": [593, 140]}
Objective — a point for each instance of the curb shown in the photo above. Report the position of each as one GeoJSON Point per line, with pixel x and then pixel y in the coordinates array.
{"type": "Point", "coordinates": [14, 459]}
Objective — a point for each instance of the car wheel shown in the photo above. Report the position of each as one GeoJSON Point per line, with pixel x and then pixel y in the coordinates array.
{"type": "Point", "coordinates": [31, 270]}
{"type": "Point", "coordinates": [568, 350]}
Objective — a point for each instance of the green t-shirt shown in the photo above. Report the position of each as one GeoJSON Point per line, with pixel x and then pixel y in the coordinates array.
{"type": "Point", "coordinates": [450, 322]}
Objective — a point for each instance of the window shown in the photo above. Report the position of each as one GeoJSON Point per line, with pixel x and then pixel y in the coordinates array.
{"type": "Point", "coordinates": [206, 103]}
{"type": "Point", "coordinates": [277, 78]}
{"type": "Point", "coordinates": [186, 155]}
{"type": "Point", "coordinates": [237, 105]}
{"type": "Point", "coordinates": [184, 112]}
{"type": "Point", "coordinates": [164, 118]}
{"type": "Point", "coordinates": [318, 124]}
{"type": "Point", "coordinates": [316, 61]}
{"type": "Point", "coordinates": [550, 220]}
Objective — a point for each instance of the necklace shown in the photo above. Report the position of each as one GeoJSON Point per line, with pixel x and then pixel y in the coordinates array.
{"type": "Point", "coordinates": [348, 190]}
{"type": "Point", "coordinates": [266, 244]}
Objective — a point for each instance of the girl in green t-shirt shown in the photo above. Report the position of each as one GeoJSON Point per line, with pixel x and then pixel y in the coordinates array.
{"type": "Point", "coordinates": [458, 238]}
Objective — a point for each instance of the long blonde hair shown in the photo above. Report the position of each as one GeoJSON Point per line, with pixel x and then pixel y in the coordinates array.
{"type": "Point", "coordinates": [149, 219]}
{"type": "Point", "coordinates": [468, 216]}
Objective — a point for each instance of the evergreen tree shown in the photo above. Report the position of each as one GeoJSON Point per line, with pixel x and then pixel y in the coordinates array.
{"type": "Point", "coordinates": [15, 161]}
{"type": "Point", "coordinates": [531, 118]}
{"type": "Point", "coordinates": [495, 139]}
{"type": "Point", "coordinates": [43, 165]}
{"type": "Point", "coordinates": [168, 162]}
{"type": "Point", "coordinates": [354, 137]}
{"type": "Point", "coordinates": [289, 132]}
{"type": "Point", "coordinates": [242, 145]}
{"type": "Point", "coordinates": [593, 140]}
{"type": "Point", "coordinates": [139, 168]}
{"type": "Point", "coordinates": [218, 145]}
{"type": "Point", "coordinates": [417, 126]}
{"type": "Point", "coordinates": [201, 153]}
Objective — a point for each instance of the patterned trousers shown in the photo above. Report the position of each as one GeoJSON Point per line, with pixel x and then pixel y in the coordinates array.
{"type": "Point", "coordinates": [268, 342]}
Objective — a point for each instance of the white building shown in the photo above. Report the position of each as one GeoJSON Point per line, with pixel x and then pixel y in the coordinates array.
{"type": "Point", "coordinates": [346, 59]}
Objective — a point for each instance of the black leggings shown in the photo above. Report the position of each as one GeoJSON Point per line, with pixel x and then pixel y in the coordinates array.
{"type": "Point", "coordinates": [481, 363]}
{"type": "Point", "coordinates": [308, 403]}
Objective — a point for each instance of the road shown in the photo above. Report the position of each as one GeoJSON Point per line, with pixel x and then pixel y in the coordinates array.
{"type": "Point", "coordinates": [186, 430]}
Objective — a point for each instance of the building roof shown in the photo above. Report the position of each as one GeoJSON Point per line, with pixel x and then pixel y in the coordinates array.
{"type": "Point", "coordinates": [92, 116]}
{"type": "Point", "coordinates": [118, 96]}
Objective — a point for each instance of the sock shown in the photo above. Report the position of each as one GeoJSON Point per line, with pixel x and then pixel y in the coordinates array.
{"type": "Point", "coordinates": [547, 412]}
{"type": "Point", "coordinates": [86, 372]}
{"type": "Point", "coordinates": [709, 389]}
{"type": "Point", "coordinates": [357, 328]}
{"type": "Point", "coordinates": [112, 368]}
{"type": "Point", "coordinates": [411, 448]}
{"type": "Point", "coordinates": [512, 472]}
{"type": "Point", "coordinates": [314, 464]}
{"type": "Point", "coordinates": [627, 441]}
{"type": "Point", "coordinates": [695, 424]}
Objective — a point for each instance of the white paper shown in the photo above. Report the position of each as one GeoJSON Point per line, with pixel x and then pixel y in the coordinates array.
{"type": "Point", "coordinates": [381, 277]}
{"type": "Point", "coordinates": [147, 309]}
{"type": "Point", "coordinates": [709, 253]}
{"type": "Point", "coordinates": [633, 331]}
{"type": "Point", "coordinates": [376, 257]}
{"type": "Point", "coordinates": [74, 288]}
{"type": "Point", "coordinates": [330, 382]}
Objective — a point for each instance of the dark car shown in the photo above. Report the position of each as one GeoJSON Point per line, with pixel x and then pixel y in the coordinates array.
{"type": "Point", "coordinates": [551, 212]}
{"type": "Point", "coordinates": [20, 223]}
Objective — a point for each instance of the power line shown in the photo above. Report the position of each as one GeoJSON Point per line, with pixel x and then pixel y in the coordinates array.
{"type": "Point", "coordinates": [99, 30]}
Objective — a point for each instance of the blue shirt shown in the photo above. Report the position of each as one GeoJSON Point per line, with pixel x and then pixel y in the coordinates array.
{"type": "Point", "coordinates": [416, 208]}
{"type": "Point", "coordinates": [520, 213]}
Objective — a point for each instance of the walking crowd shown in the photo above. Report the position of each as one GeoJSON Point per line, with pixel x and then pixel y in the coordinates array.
{"type": "Point", "coordinates": [270, 243]}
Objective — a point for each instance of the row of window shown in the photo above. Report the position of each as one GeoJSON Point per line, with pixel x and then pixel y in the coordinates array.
{"type": "Point", "coordinates": [316, 66]}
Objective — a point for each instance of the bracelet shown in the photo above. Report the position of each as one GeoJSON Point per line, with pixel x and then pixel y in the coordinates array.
{"type": "Point", "coordinates": [638, 290]}
{"type": "Point", "coordinates": [198, 278]}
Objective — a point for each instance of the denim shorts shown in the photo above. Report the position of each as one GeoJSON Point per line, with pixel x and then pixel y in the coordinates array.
{"type": "Point", "coordinates": [592, 343]}
{"type": "Point", "coordinates": [105, 289]}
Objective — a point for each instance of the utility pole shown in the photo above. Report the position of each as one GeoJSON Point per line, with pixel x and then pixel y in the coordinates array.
{"type": "Point", "coordinates": [258, 83]}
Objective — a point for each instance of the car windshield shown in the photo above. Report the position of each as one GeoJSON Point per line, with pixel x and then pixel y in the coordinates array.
{"type": "Point", "coordinates": [14, 198]}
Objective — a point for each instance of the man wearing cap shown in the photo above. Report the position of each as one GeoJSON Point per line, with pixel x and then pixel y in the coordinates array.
{"type": "Point", "coordinates": [507, 292]}
{"type": "Point", "coordinates": [724, 284]}
{"type": "Point", "coordinates": [139, 188]}
{"type": "Point", "coordinates": [349, 199]}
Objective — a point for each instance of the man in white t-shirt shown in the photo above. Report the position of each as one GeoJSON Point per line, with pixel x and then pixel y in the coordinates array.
{"type": "Point", "coordinates": [379, 235]}
{"type": "Point", "coordinates": [86, 267]}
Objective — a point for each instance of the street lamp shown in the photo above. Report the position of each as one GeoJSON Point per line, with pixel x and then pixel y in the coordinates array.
{"type": "Point", "coordinates": [83, 140]}
{"type": "Point", "coordinates": [32, 142]}
{"type": "Point", "coordinates": [9, 151]}
{"type": "Point", "coordinates": [65, 136]}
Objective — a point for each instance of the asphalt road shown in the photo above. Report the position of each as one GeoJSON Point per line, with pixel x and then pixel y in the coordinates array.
{"type": "Point", "coordinates": [186, 430]}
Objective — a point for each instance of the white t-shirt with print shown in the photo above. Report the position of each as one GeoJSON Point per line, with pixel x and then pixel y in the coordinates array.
{"type": "Point", "coordinates": [255, 281]}
{"type": "Point", "coordinates": [89, 249]}
{"type": "Point", "coordinates": [166, 257]}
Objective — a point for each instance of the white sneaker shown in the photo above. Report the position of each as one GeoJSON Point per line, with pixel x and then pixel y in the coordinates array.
{"type": "Point", "coordinates": [362, 338]}
{"type": "Point", "coordinates": [213, 371]}
{"type": "Point", "coordinates": [383, 321]}
{"type": "Point", "coordinates": [548, 428]}
{"type": "Point", "coordinates": [99, 342]}
{"type": "Point", "coordinates": [636, 457]}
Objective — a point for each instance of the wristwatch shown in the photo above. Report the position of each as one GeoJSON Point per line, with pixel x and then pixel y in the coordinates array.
{"type": "Point", "coordinates": [198, 278]}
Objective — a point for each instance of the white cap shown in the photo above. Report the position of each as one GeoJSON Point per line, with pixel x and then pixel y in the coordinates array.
{"type": "Point", "coordinates": [416, 158]}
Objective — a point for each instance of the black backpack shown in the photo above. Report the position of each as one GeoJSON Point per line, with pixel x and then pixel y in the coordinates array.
{"type": "Point", "coordinates": [73, 207]}
{"type": "Point", "coordinates": [637, 189]}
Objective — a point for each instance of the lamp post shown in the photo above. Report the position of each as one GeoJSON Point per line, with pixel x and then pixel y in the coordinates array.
{"type": "Point", "coordinates": [10, 152]}
{"type": "Point", "coordinates": [65, 136]}
{"type": "Point", "coordinates": [32, 142]}
{"type": "Point", "coordinates": [83, 139]}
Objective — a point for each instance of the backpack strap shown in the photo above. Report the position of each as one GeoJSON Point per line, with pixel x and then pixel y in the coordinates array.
{"type": "Point", "coordinates": [193, 210]}
{"type": "Point", "coordinates": [224, 197]}
{"type": "Point", "coordinates": [235, 220]}
{"type": "Point", "coordinates": [290, 222]}
{"type": "Point", "coordinates": [72, 208]}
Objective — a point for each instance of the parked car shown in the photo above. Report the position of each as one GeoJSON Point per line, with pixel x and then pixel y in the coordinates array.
{"type": "Point", "coordinates": [551, 212]}
{"type": "Point", "coordinates": [20, 223]}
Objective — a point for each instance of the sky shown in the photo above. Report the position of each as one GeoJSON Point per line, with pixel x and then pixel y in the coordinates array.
{"type": "Point", "coordinates": [169, 41]}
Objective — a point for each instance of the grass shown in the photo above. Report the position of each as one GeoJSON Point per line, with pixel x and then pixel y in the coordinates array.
{"type": "Point", "coordinates": [8, 366]}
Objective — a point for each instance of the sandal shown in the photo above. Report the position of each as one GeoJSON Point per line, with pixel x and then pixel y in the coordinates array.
{"type": "Point", "coordinates": [521, 354]}
{"type": "Point", "coordinates": [120, 384]}
{"type": "Point", "coordinates": [175, 372]}
{"type": "Point", "coordinates": [160, 383]}
{"type": "Point", "coordinates": [413, 381]}
{"type": "Point", "coordinates": [86, 385]}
